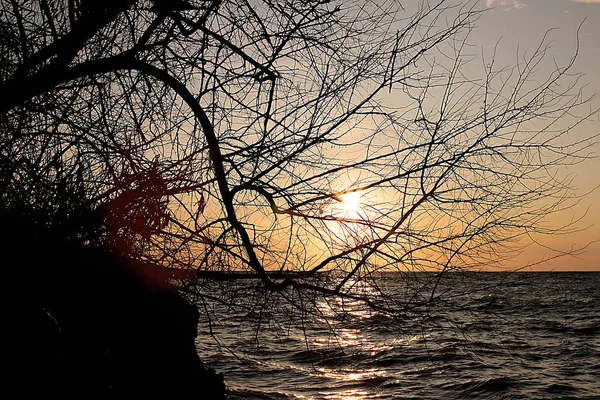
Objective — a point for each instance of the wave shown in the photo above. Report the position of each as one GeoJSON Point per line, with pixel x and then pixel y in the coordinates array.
{"type": "Point", "coordinates": [250, 394]}
{"type": "Point", "coordinates": [560, 388]}
{"type": "Point", "coordinates": [475, 387]}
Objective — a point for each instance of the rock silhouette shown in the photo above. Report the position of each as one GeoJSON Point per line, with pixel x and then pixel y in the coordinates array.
{"type": "Point", "coordinates": [84, 322]}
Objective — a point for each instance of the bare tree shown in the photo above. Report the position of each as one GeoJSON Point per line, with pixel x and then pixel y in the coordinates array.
{"type": "Point", "coordinates": [228, 138]}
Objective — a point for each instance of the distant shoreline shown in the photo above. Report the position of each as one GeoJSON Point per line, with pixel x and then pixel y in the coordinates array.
{"type": "Point", "coordinates": [216, 275]}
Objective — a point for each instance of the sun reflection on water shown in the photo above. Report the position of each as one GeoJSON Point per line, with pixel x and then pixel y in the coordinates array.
{"type": "Point", "coordinates": [352, 394]}
{"type": "Point", "coordinates": [350, 380]}
{"type": "Point", "coordinates": [351, 377]}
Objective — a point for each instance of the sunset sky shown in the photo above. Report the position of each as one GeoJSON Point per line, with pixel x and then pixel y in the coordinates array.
{"type": "Point", "coordinates": [523, 23]}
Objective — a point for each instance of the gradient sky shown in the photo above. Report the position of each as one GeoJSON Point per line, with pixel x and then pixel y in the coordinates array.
{"type": "Point", "coordinates": [523, 23]}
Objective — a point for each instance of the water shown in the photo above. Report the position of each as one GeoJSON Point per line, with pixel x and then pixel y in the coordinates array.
{"type": "Point", "coordinates": [516, 336]}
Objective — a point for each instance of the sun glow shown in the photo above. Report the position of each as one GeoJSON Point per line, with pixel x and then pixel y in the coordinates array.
{"type": "Point", "coordinates": [351, 204]}
{"type": "Point", "coordinates": [348, 218]}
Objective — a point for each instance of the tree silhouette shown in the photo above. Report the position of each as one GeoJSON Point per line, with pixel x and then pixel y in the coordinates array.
{"type": "Point", "coordinates": [220, 137]}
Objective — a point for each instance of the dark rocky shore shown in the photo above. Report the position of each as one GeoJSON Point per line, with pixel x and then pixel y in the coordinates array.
{"type": "Point", "coordinates": [85, 323]}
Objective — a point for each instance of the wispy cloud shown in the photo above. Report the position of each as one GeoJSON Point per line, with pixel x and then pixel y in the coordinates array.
{"type": "Point", "coordinates": [511, 4]}
{"type": "Point", "coordinates": [586, 1]}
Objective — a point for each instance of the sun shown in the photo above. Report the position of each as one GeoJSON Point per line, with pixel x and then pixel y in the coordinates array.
{"type": "Point", "coordinates": [351, 203]}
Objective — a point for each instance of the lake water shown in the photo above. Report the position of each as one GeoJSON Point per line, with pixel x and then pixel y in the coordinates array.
{"type": "Point", "coordinates": [495, 336]}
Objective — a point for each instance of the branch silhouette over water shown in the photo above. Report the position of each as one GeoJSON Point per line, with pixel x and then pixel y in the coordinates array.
{"type": "Point", "coordinates": [176, 143]}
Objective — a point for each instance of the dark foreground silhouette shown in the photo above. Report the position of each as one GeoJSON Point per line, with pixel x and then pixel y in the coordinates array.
{"type": "Point", "coordinates": [82, 322]}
